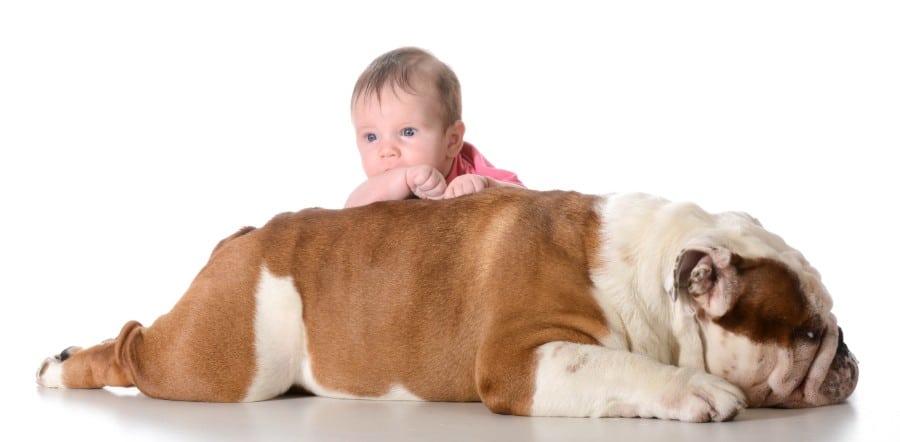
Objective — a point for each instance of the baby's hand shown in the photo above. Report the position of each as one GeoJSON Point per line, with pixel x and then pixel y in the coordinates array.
{"type": "Point", "coordinates": [426, 182]}
{"type": "Point", "coordinates": [466, 184]}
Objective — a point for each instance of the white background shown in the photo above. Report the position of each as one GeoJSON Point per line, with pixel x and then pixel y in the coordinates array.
{"type": "Point", "coordinates": [134, 136]}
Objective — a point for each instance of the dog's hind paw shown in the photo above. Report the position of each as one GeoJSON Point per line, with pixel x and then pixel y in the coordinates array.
{"type": "Point", "coordinates": [50, 372]}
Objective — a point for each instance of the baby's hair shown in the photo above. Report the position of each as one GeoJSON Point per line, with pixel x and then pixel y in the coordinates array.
{"type": "Point", "coordinates": [402, 68]}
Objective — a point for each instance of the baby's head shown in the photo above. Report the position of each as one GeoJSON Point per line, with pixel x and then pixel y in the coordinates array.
{"type": "Point", "coordinates": [414, 71]}
{"type": "Point", "coordinates": [407, 110]}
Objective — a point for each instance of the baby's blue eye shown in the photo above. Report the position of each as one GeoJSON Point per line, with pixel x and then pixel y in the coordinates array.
{"type": "Point", "coordinates": [408, 132]}
{"type": "Point", "coordinates": [371, 138]}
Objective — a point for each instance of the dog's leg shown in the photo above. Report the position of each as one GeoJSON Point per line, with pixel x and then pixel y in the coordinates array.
{"type": "Point", "coordinates": [95, 367]}
{"type": "Point", "coordinates": [200, 351]}
{"type": "Point", "coordinates": [196, 352]}
{"type": "Point", "coordinates": [589, 380]}
{"type": "Point", "coordinates": [205, 348]}
{"type": "Point", "coordinates": [164, 361]}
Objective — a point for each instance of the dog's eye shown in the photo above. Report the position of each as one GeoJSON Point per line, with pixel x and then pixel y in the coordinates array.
{"type": "Point", "coordinates": [811, 334]}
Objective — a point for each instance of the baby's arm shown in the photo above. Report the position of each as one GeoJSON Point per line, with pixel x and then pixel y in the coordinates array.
{"type": "Point", "coordinates": [472, 183]}
{"type": "Point", "coordinates": [396, 184]}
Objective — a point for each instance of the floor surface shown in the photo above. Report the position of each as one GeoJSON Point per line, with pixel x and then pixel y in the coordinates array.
{"type": "Point", "coordinates": [125, 414]}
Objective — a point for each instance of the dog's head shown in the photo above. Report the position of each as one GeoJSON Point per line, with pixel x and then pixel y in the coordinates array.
{"type": "Point", "coordinates": [765, 317]}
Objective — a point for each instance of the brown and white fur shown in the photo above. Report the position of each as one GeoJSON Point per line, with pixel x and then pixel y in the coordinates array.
{"type": "Point", "coordinates": [535, 303]}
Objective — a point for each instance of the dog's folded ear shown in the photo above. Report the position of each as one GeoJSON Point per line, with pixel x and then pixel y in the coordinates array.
{"type": "Point", "coordinates": [707, 278]}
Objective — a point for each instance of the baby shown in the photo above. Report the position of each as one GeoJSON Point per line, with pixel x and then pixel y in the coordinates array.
{"type": "Point", "coordinates": [407, 113]}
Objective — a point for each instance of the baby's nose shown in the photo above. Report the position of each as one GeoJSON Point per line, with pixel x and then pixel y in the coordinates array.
{"type": "Point", "coordinates": [388, 150]}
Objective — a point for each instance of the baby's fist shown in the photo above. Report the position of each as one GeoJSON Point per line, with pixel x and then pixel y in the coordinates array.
{"type": "Point", "coordinates": [466, 184]}
{"type": "Point", "coordinates": [426, 182]}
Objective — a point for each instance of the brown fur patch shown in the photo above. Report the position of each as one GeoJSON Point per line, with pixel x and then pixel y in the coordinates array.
{"type": "Point", "coordinates": [406, 292]}
{"type": "Point", "coordinates": [770, 305]}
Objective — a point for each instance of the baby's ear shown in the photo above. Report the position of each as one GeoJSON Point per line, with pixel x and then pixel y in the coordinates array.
{"type": "Point", "coordinates": [455, 134]}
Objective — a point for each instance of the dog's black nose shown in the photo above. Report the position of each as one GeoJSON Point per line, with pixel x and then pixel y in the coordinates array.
{"type": "Point", "coordinates": [843, 352]}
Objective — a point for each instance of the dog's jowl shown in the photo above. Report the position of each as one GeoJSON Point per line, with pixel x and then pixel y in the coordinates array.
{"type": "Point", "coordinates": [535, 303]}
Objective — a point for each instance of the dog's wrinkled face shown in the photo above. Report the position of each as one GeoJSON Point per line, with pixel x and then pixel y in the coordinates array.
{"type": "Point", "coordinates": [767, 326]}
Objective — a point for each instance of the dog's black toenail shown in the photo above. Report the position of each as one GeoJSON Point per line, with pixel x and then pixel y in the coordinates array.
{"type": "Point", "coordinates": [65, 354]}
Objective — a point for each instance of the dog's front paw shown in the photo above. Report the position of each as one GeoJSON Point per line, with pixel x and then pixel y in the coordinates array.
{"type": "Point", "coordinates": [701, 397]}
{"type": "Point", "coordinates": [50, 372]}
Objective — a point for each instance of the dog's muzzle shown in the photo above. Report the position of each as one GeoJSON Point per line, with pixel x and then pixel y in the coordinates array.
{"type": "Point", "coordinates": [842, 375]}
{"type": "Point", "coordinates": [836, 386]}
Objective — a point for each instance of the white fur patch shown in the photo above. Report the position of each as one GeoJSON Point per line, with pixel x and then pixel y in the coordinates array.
{"type": "Point", "coordinates": [50, 374]}
{"type": "Point", "coordinates": [630, 284]}
{"type": "Point", "coordinates": [751, 365]}
{"type": "Point", "coordinates": [592, 381]}
{"type": "Point", "coordinates": [584, 380]}
{"type": "Point", "coordinates": [279, 337]}
{"type": "Point", "coordinates": [396, 392]}
{"type": "Point", "coordinates": [282, 356]}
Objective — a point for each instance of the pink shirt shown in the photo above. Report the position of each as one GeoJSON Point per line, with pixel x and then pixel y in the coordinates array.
{"type": "Point", "coordinates": [470, 160]}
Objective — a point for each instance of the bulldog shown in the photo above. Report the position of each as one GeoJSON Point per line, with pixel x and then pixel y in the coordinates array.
{"type": "Point", "coordinates": [535, 303]}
